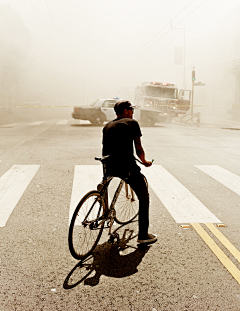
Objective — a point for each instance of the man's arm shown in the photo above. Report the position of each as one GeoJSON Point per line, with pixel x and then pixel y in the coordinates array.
{"type": "Point", "coordinates": [140, 152]}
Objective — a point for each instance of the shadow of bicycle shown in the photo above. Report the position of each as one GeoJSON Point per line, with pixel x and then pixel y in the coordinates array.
{"type": "Point", "coordinates": [112, 260]}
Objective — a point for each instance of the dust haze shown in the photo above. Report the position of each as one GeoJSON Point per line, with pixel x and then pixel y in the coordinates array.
{"type": "Point", "coordinates": [56, 54]}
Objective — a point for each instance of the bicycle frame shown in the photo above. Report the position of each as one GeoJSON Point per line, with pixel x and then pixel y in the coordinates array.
{"type": "Point", "coordinates": [108, 212]}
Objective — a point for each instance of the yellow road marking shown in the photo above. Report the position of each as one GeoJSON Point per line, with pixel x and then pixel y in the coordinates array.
{"type": "Point", "coordinates": [228, 264]}
{"type": "Point", "coordinates": [232, 249]}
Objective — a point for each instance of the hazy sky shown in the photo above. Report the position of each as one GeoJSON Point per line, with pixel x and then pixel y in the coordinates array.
{"type": "Point", "coordinates": [99, 46]}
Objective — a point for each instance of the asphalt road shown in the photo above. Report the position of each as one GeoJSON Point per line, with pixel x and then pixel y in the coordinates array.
{"type": "Point", "coordinates": [194, 181]}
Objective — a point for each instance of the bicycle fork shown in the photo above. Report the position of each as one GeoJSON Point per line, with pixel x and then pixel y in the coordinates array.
{"type": "Point", "coordinates": [111, 211]}
{"type": "Point", "coordinates": [111, 220]}
{"type": "Point", "coordinates": [112, 215]}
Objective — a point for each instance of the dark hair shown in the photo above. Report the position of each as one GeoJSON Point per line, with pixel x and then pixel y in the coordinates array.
{"type": "Point", "coordinates": [121, 105]}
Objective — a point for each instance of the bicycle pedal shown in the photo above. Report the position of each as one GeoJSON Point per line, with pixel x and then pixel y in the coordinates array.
{"type": "Point", "coordinates": [111, 240]}
{"type": "Point", "coordinates": [114, 237]}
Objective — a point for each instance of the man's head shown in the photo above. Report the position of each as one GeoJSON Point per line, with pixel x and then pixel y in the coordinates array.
{"type": "Point", "coordinates": [124, 108]}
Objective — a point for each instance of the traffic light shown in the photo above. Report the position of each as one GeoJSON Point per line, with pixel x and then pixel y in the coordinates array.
{"type": "Point", "coordinates": [193, 75]}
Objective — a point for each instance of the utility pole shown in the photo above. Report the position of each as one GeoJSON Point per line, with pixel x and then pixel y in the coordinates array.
{"type": "Point", "coordinates": [83, 91]}
{"type": "Point", "coordinates": [184, 59]}
{"type": "Point", "coordinates": [193, 79]}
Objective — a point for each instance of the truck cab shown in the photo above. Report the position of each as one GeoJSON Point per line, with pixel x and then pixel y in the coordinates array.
{"type": "Point", "coordinates": [164, 97]}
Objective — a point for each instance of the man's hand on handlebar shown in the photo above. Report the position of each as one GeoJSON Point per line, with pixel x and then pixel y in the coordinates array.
{"type": "Point", "coordinates": [147, 163]}
{"type": "Point", "coordinates": [140, 152]}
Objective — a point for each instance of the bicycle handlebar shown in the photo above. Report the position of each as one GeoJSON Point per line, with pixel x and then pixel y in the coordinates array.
{"type": "Point", "coordinates": [141, 161]}
{"type": "Point", "coordinates": [106, 157]}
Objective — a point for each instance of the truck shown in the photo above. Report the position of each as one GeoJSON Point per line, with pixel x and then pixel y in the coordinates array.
{"type": "Point", "coordinates": [102, 110]}
{"type": "Point", "coordinates": [161, 96]}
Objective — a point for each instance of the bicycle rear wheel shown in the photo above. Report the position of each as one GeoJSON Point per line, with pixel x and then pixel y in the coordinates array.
{"type": "Point", "coordinates": [127, 204]}
{"type": "Point", "coordinates": [86, 228]}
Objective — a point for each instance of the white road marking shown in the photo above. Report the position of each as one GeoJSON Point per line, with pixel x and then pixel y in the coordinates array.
{"type": "Point", "coordinates": [223, 176]}
{"type": "Point", "coordinates": [177, 199]}
{"type": "Point", "coordinates": [37, 123]}
{"type": "Point", "coordinates": [86, 178]}
{"type": "Point", "coordinates": [83, 122]}
{"type": "Point", "coordinates": [65, 121]}
{"type": "Point", "coordinates": [12, 185]}
{"type": "Point", "coordinates": [9, 125]}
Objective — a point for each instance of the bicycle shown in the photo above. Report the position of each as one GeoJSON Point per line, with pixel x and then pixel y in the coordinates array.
{"type": "Point", "coordinates": [93, 211]}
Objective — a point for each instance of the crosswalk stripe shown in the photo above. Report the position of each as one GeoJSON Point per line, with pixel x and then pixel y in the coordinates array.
{"type": "Point", "coordinates": [12, 185]}
{"type": "Point", "coordinates": [65, 121]}
{"type": "Point", "coordinates": [177, 199]}
{"type": "Point", "coordinates": [37, 123]}
{"type": "Point", "coordinates": [223, 176]}
{"type": "Point", "coordinates": [86, 178]}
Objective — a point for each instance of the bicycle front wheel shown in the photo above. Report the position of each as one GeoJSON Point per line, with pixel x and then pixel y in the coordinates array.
{"type": "Point", "coordinates": [127, 204]}
{"type": "Point", "coordinates": [86, 225]}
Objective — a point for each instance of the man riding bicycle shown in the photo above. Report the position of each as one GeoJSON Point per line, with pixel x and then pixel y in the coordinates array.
{"type": "Point", "coordinates": [118, 138]}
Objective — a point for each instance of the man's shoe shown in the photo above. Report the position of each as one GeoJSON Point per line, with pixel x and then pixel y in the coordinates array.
{"type": "Point", "coordinates": [150, 238]}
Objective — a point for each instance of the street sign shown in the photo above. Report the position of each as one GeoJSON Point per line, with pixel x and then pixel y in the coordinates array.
{"type": "Point", "coordinates": [199, 84]}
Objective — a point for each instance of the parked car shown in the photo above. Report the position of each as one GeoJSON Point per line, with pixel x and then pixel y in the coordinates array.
{"type": "Point", "coordinates": [101, 110]}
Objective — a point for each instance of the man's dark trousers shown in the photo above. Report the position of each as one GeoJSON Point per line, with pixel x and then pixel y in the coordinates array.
{"type": "Point", "coordinates": [138, 183]}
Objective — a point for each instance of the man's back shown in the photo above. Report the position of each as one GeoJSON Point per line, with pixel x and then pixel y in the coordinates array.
{"type": "Point", "coordinates": [118, 137]}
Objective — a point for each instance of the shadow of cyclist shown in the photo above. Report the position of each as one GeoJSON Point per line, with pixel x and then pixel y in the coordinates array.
{"type": "Point", "coordinates": [113, 260]}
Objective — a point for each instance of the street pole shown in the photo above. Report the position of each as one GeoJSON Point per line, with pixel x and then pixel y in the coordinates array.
{"type": "Point", "coordinates": [193, 79]}
{"type": "Point", "coordinates": [184, 59]}
{"type": "Point", "coordinates": [83, 92]}
{"type": "Point", "coordinates": [192, 100]}
{"type": "Point", "coordinates": [184, 56]}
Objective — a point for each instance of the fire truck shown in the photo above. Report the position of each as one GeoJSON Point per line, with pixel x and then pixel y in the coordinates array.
{"type": "Point", "coordinates": [164, 97]}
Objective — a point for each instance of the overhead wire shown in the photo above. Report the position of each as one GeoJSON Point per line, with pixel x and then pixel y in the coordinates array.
{"type": "Point", "coordinates": [174, 26]}
{"type": "Point", "coordinates": [52, 19]}
{"type": "Point", "coordinates": [170, 48]}
{"type": "Point", "coordinates": [55, 51]}
{"type": "Point", "coordinates": [40, 19]}
{"type": "Point", "coordinates": [167, 24]}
